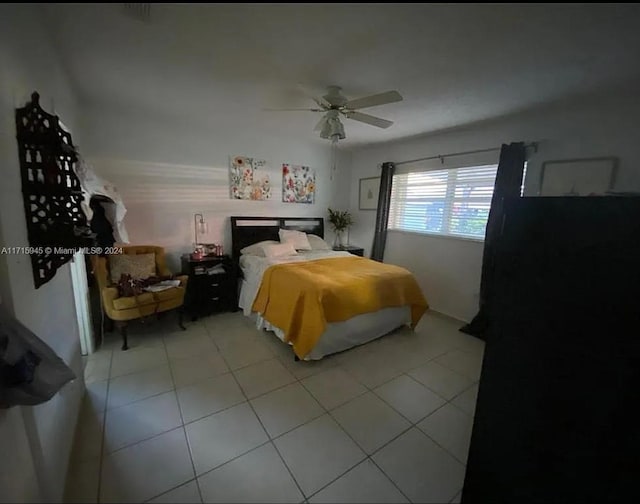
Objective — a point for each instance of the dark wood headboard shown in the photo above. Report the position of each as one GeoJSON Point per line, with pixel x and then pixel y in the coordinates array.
{"type": "Point", "coordinates": [246, 231]}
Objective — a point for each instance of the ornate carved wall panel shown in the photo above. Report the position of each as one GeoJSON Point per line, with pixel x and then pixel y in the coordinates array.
{"type": "Point", "coordinates": [50, 190]}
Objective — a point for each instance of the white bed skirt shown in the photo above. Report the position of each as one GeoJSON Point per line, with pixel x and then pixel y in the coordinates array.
{"type": "Point", "coordinates": [338, 336]}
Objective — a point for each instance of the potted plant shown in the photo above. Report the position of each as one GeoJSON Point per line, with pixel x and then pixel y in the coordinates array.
{"type": "Point", "coordinates": [340, 222]}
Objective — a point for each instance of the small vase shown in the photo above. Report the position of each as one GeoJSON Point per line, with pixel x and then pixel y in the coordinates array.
{"type": "Point", "coordinates": [339, 240]}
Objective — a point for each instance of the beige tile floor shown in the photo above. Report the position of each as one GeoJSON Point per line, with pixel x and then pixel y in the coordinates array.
{"type": "Point", "coordinates": [223, 413]}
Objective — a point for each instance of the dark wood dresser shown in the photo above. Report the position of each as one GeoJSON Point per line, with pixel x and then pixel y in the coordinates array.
{"type": "Point", "coordinates": [212, 287]}
{"type": "Point", "coordinates": [352, 249]}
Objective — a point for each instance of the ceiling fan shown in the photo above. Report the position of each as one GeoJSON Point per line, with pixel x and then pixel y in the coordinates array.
{"type": "Point", "coordinates": [334, 104]}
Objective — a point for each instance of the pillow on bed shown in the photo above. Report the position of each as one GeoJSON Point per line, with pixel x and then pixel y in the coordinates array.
{"type": "Point", "coordinates": [298, 239]}
{"type": "Point", "coordinates": [256, 248]}
{"type": "Point", "coordinates": [317, 243]}
{"type": "Point", "coordinates": [278, 250]}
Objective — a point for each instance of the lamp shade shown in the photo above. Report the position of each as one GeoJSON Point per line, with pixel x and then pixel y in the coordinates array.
{"type": "Point", "coordinates": [200, 226]}
{"type": "Point", "coordinates": [332, 127]}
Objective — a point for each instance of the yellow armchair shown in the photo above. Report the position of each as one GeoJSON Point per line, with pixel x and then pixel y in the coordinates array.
{"type": "Point", "coordinates": [121, 309]}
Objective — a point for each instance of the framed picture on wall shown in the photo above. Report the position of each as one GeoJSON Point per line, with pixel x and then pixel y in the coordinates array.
{"type": "Point", "coordinates": [368, 195]}
{"type": "Point", "coordinates": [298, 184]}
{"type": "Point", "coordinates": [578, 177]}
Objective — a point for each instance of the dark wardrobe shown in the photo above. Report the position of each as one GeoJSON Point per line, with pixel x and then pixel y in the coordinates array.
{"type": "Point", "coordinates": [557, 413]}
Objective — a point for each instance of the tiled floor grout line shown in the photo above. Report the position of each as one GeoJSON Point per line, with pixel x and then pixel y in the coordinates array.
{"type": "Point", "coordinates": [184, 430]}
{"type": "Point", "coordinates": [436, 442]}
{"type": "Point", "coordinates": [304, 496]}
{"type": "Point", "coordinates": [337, 405]}
{"type": "Point", "coordinates": [226, 408]}
{"type": "Point", "coordinates": [103, 454]}
{"type": "Point", "coordinates": [104, 430]}
{"type": "Point", "coordinates": [326, 411]}
{"type": "Point", "coordinates": [340, 475]}
{"type": "Point", "coordinates": [143, 370]}
{"type": "Point", "coordinates": [415, 424]}
{"type": "Point", "coordinates": [170, 360]}
{"type": "Point", "coordinates": [266, 432]}
{"type": "Point", "coordinates": [174, 488]}
{"type": "Point", "coordinates": [234, 458]}
{"type": "Point", "coordinates": [279, 454]}
{"type": "Point", "coordinates": [430, 359]}
{"type": "Point", "coordinates": [436, 393]}
{"type": "Point", "coordinates": [446, 403]}
{"type": "Point", "coordinates": [389, 478]}
{"type": "Point", "coordinates": [367, 456]}
{"type": "Point", "coordinates": [184, 424]}
{"type": "Point", "coordinates": [181, 426]}
{"type": "Point", "coordinates": [474, 384]}
{"type": "Point", "coordinates": [271, 440]}
{"type": "Point", "coordinates": [412, 425]}
{"type": "Point", "coordinates": [280, 360]}
{"type": "Point", "coordinates": [142, 399]}
{"type": "Point", "coordinates": [398, 412]}
{"type": "Point", "coordinates": [147, 439]}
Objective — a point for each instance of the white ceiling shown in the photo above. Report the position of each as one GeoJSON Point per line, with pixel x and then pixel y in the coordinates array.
{"type": "Point", "coordinates": [454, 64]}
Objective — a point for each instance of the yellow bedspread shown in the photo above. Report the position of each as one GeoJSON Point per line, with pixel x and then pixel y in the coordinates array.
{"type": "Point", "coordinates": [301, 298]}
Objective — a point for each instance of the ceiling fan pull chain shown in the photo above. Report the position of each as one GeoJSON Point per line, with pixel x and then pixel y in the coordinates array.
{"type": "Point", "coordinates": [334, 157]}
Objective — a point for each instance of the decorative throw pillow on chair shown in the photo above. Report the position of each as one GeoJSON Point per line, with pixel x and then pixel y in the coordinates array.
{"type": "Point", "coordinates": [136, 266]}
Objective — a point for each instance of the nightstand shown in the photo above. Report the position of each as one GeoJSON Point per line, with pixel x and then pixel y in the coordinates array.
{"type": "Point", "coordinates": [212, 286]}
{"type": "Point", "coordinates": [351, 249]}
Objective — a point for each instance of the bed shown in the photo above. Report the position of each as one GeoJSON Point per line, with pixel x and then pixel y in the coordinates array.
{"type": "Point", "coordinates": [320, 301]}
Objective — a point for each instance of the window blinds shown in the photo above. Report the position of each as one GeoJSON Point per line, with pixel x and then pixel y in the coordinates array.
{"type": "Point", "coordinates": [453, 202]}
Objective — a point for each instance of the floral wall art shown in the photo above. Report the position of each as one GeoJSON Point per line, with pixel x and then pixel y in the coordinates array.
{"type": "Point", "coordinates": [249, 179]}
{"type": "Point", "coordinates": [298, 184]}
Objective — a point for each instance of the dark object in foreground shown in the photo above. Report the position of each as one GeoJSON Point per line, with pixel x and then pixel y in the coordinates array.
{"type": "Point", "coordinates": [30, 372]}
{"type": "Point", "coordinates": [557, 418]}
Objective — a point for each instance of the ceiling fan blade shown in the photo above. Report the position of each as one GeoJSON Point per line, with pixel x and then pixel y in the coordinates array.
{"type": "Point", "coordinates": [293, 109]}
{"type": "Point", "coordinates": [320, 124]}
{"type": "Point", "coordinates": [321, 102]}
{"type": "Point", "coordinates": [369, 119]}
{"type": "Point", "coordinates": [374, 100]}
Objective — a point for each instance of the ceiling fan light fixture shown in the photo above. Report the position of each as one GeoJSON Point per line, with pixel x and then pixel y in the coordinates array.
{"type": "Point", "coordinates": [333, 129]}
{"type": "Point", "coordinates": [335, 104]}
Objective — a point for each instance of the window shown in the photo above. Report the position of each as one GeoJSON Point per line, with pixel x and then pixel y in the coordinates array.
{"type": "Point", "coordinates": [452, 202]}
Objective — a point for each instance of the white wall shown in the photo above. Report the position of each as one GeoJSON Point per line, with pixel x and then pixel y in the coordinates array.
{"type": "Point", "coordinates": [448, 269]}
{"type": "Point", "coordinates": [35, 442]}
{"type": "Point", "coordinates": [167, 169]}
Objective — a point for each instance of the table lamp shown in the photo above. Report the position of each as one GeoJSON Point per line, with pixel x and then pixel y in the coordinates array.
{"type": "Point", "coordinates": [200, 227]}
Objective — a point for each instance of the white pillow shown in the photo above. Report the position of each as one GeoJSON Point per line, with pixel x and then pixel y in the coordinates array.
{"type": "Point", "coordinates": [298, 239]}
{"type": "Point", "coordinates": [278, 250]}
{"type": "Point", "coordinates": [256, 248]}
{"type": "Point", "coordinates": [318, 243]}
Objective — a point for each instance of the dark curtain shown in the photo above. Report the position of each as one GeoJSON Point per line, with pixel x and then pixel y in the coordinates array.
{"type": "Point", "coordinates": [508, 184]}
{"type": "Point", "coordinates": [382, 217]}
